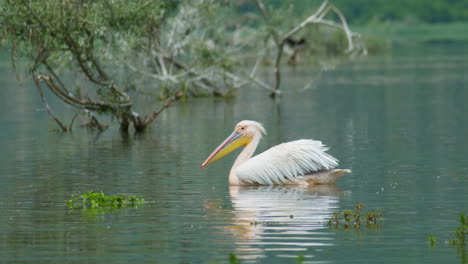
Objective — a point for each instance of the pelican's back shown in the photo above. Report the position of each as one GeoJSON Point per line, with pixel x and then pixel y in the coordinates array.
{"type": "Point", "coordinates": [285, 162]}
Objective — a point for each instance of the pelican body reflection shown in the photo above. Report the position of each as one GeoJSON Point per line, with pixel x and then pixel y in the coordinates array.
{"type": "Point", "coordinates": [283, 220]}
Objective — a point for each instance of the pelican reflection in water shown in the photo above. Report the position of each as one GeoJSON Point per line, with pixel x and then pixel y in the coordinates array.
{"type": "Point", "coordinates": [286, 218]}
{"type": "Point", "coordinates": [300, 162]}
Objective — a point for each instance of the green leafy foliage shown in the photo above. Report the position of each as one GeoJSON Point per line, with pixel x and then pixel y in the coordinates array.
{"type": "Point", "coordinates": [149, 46]}
{"type": "Point", "coordinates": [86, 28]}
{"type": "Point", "coordinates": [98, 200]}
{"type": "Point", "coordinates": [91, 38]}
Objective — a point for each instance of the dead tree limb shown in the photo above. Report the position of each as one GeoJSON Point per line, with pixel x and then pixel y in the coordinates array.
{"type": "Point", "coordinates": [170, 101]}
{"type": "Point", "coordinates": [318, 17]}
{"type": "Point", "coordinates": [69, 98]}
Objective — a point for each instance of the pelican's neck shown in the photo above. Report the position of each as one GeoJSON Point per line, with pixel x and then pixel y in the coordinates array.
{"type": "Point", "coordinates": [244, 156]}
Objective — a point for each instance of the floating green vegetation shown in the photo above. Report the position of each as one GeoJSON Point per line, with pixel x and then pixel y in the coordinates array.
{"type": "Point", "coordinates": [352, 219]}
{"type": "Point", "coordinates": [233, 259]}
{"type": "Point", "coordinates": [300, 259]}
{"type": "Point", "coordinates": [461, 238]}
{"type": "Point", "coordinates": [98, 200]}
{"type": "Point", "coordinates": [432, 241]}
{"type": "Point", "coordinates": [461, 233]}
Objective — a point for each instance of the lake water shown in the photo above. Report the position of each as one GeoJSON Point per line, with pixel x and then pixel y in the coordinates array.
{"type": "Point", "coordinates": [399, 122]}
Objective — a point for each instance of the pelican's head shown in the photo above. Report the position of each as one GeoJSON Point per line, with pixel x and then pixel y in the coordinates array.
{"type": "Point", "coordinates": [244, 132]}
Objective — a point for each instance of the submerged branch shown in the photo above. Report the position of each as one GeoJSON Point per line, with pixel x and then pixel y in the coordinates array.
{"type": "Point", "coordinates": [49, 109]}
{"type": "Point", "coordinates": [170, 101]}
{"type": "Point", "coordinates": [73, 120]}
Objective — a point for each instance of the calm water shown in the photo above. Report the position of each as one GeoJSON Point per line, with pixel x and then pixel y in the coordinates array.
{"type": "Point", "coordinates": [398, 122]}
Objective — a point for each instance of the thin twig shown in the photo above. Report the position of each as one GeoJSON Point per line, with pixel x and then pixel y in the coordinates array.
{"type": "Point", "coordinates": [257, 63]}
{"type": "Point", "coordinates": [49, 109]}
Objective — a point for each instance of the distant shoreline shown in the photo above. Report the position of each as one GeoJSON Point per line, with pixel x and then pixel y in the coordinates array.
{"type": "Point", "coordinates": [400, 32]}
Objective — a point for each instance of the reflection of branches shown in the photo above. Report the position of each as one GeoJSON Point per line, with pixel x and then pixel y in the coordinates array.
{"type": "Point", "coordinates": [317, 18]}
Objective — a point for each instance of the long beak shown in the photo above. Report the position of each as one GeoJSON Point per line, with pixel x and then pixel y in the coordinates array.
{"type": "Point", "coordinates": [234, 141]}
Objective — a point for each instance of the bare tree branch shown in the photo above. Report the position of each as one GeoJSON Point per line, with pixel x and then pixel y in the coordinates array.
{"type": "Point", "coordinates": [316, 18]}
{"type": "Point", "coordinates": [49, 109]}
{"type": "Point", "coordinates": [73, 120]}
{"type": "Point", "coordinates": [170, 101]}
{"type": "Point", "coordinates": [345, 27]}
{"type": "Point", "coordinates": [308, 20]}
{"type": "Point", "coordinates": [72, 100]}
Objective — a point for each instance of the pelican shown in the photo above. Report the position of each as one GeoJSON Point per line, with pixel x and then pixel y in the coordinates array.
{"type": "Point", "coordinates": [300, 162]}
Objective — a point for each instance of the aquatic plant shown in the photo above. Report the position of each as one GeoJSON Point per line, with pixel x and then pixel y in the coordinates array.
{"type": "Point", "coordinates": [98, 200]}
{"type": "Point", "coordinates": [300, 259]}
{"type": "Point", "coordinates": [233, 259]}
{"type": "Point", "coordinates": [461, 233]}
{"type": "Point", "coordinates": [432, 241]}
{"type": "Point", "coordinates": [461, 238]}
{"type": "Point", "coordinates": [352, 219]}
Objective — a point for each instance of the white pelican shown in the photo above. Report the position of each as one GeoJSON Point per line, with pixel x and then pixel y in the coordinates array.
{"type": "Point", "coordinates": [297, 162]}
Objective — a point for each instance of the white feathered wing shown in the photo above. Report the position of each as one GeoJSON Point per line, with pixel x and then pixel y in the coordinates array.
{"type": "Point", "coordinates": [287, 161]}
